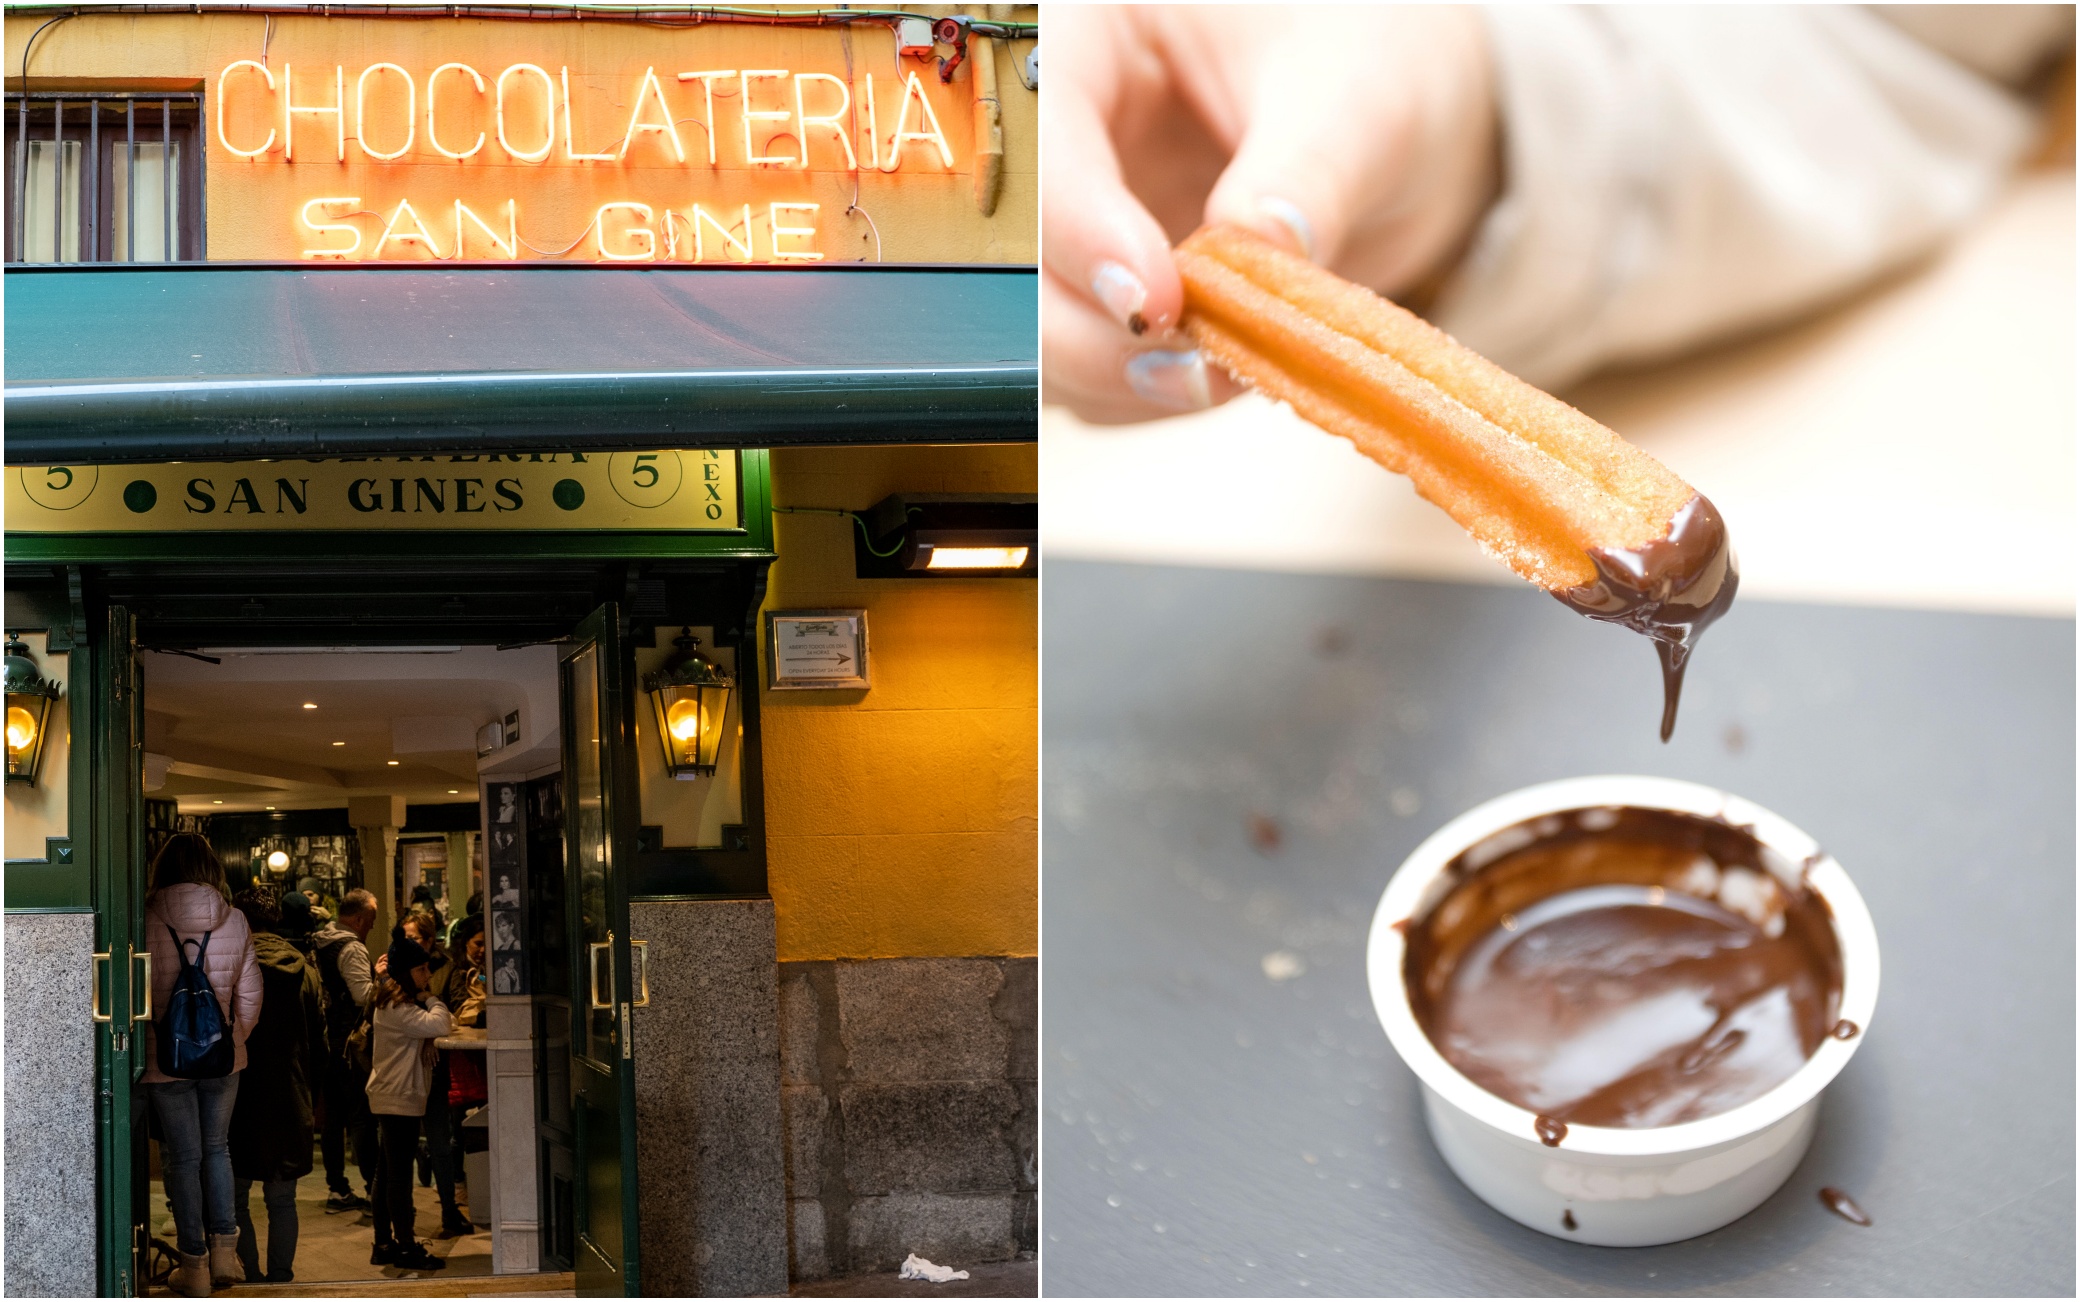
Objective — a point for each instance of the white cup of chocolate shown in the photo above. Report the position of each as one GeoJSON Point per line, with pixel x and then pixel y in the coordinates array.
{"type": "Point", "coordinates": [1622, 996]}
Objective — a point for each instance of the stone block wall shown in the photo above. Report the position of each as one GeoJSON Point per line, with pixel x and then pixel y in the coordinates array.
{"type": "Point", "coordinates": [50, 1207]}
{"type": "Point", "coordinates": [910, 1099]}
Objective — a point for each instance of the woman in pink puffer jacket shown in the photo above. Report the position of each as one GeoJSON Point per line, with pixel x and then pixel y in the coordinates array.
{"type": "Point", "coordinates": [187, 903]}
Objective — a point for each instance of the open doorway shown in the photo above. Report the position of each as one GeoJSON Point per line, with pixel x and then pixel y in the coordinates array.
{"type": "Point", "coordinates": [398, 772]}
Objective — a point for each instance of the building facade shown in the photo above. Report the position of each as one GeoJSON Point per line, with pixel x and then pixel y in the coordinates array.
{"type": "Point", "coordinates": [463, 366]}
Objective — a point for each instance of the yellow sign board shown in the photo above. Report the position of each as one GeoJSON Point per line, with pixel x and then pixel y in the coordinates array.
{"type": "Point", "coordinates": [665, 490]}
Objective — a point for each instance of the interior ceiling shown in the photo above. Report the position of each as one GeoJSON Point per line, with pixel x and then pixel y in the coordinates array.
{"type": "Point", "coordinates": [237, 736]}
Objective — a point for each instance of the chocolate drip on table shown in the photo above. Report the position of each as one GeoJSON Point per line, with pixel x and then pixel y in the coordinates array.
{"type": "Point", "coordinates": [1670, 590]}
{"type": "Point", "coordinates": [1844, 1206]}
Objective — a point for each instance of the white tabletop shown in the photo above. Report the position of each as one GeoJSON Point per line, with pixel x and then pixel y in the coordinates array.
{"type": "Point", "coordinates": [1912, 447]}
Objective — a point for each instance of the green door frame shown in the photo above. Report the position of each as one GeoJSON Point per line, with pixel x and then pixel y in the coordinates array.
{"type": "Point", "coordinates": [600, 826]}
{"type": "Point", "coordinates": [116, 792]}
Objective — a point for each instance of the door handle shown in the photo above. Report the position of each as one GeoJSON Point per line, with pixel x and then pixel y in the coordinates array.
{"type": "Point", "coordinates": [592, 957]}
{"type": "Point", "coordinates": [99, 1015]}
{"type": "Point", "coordinates": [145, 958]}
{"type": "Point", "coordinates": [639, 959]}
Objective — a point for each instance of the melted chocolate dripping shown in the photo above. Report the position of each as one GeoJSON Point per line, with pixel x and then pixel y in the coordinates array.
{"type": "Point", "coordinates": [1567, 1219]}
{"type": "Point", "coordinates": [1671, 590]}
{"type": "Point", "coordinates": [1550, 1131]}
{"type": "Point", "coordinates": [1845, 1030]}
{"type": "Point", "coordinates": [1844, 1206]}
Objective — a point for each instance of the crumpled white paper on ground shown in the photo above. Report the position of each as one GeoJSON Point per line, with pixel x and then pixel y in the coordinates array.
{"type": "Point", "coordinates": [916, 1267]}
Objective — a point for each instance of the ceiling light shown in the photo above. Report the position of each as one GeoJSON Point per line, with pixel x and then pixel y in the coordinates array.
{"type": "Point", "coordinates": [270, 806]}
{"type": "Point", "coordinates": [391, 763]}
{"type": "Point", "coordinates": [216, 802]}
{"type": "Point", "coordinates": [339, 743]}
{"type": "Point", "coordinates": [310, 705]}
{"type": "Point", "coordinates": [454, 791]}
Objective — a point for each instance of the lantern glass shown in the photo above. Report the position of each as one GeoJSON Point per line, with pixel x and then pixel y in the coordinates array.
{"type": "Point", "coordinates": [690, 694]}
{"type": "Point", "coordinates": [27, 715]}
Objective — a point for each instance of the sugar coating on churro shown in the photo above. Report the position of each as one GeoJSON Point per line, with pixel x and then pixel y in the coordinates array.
{"type": "Point", "coordinates": [1538, 484]}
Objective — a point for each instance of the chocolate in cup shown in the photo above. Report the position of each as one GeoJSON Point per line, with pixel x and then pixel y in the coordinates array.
{"type": "Point", "coordinates": [1622, 997]}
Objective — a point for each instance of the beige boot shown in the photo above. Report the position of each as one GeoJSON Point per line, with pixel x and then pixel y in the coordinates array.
{"type": "Point", "coordinates": [224, 1268]}
{"type": "Point", "coordinates": [191, 1277]}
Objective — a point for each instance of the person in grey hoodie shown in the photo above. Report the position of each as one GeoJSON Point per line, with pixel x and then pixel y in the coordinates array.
{"type": "Point", "coordinates": [408, 1018]}
{"type": "Point", "coordinates": [188, 911]}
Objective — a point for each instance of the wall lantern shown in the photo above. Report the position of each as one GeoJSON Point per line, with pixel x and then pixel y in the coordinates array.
{"type": "Point", "coordinates": [949, 536]}
{"type": "Point", "coordinates": [691, 696]}
{"type": "Point", "coordinates": [29, 697]}
{"type": "Point", "coordinates": [278, 862]}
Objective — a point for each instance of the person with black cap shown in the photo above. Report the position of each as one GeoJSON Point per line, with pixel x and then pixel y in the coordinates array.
{"type": "Point", "coordinates": [408, 1018]}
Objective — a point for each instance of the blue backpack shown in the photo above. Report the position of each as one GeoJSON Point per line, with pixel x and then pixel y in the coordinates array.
{"type": "Point", "coordinates": [193, 1041]}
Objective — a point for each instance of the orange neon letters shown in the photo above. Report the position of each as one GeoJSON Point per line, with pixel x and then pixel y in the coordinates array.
{"type": "Point", "coordinates": [431, 137]}
{"type": "Point", "coordinates": [570, 142]}
{"type": "Point", "coordinates": [649, 237]}
{"type": "Point", "coordinates": [914, 90]}
{"type": "Point", "coordinates": [290, 108]}
{"type": "Point", "coordinates": [411, 111]}
{"type": "Point", "coordinates": [393, 230]}
{"type": "Point", "coordinates": [326, 228]}
{"type": "Point", "coordinates": [700, 250]}
{"type": "Point", "coordinates": [511, 242]}
{"type": "Point", "coordinates": [225, 140]}
{"type": "Point", "coordinates": [647, 90]}
{"type": "Point", "coordinates": [773, 211]}
{"type": "Point", "coordinates": [707, 81]}
{"type": "Point", "coordinates": [750, 114]}
{"type": "Point", "coordinates": [831, 119]}
{"type": "Point", "coordinates": [548, 114]}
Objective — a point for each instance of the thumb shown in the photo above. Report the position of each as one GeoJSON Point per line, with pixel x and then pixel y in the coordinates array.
{"type": "Point", "coordinates": [1300, 174]}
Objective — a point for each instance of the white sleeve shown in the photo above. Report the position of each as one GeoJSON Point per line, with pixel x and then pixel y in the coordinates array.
{"type": "Point", "coordinates": [1676, 174]}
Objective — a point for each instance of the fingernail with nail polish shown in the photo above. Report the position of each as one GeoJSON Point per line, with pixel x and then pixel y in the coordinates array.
{"type": "Point", "coordinates": [1289, 216]}
{"type": "Point", "coordinates": [1176, 380]}
{"type": "Point", "coordinates": [1122, 294]}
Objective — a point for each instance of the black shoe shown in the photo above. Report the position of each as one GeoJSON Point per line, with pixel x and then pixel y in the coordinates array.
{"type": "Point", "coordinates": [454, 1225]}
{"type": "Point", "coordinates": [337, 1202]}
{"type": "Point", "coordinates": [281, 1277]}
{"type": "Point", "coordinates": [416, 1257]}
{"type": "Point", "coordinates": [384, 1254]}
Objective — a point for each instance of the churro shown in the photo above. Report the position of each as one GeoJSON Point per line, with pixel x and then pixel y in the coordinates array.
{"type": "Point", "coordinates": [1552, 494]}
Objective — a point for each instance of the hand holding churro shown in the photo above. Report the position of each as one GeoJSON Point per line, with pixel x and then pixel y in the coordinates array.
{"type": "Point", "coordinates": [1550, 493]}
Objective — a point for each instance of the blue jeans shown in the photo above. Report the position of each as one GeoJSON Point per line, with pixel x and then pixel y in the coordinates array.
{"type": "Point", "coordinates": [195, 1150]}
{"type": "Point", "coordinates": [280, 1196]}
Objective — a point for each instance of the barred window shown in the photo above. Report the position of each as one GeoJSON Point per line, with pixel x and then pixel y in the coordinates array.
{"type": "Point", "coordinates": [104, 178]}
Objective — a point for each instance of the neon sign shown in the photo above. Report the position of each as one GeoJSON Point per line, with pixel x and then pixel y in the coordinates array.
{"type": "Point", "coordinates": [441, 152]}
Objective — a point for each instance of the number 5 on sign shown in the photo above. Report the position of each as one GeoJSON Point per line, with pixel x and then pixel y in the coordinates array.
{"type": "Point", "coordinates": [59, 488]}
{"type": "Point", "coordinates": [645, 479]}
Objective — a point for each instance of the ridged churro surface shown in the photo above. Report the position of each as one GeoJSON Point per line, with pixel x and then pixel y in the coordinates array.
{"type": "Point", "coordinates": [1538, 484]}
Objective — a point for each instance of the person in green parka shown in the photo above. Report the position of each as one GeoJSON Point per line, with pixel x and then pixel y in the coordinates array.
{"type": "Point", "coordinates": [271, 1127]}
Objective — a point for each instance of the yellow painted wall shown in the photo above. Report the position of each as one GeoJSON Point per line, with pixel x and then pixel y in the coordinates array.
{"type": "Point", "coordinates": [903, 821]}
{"type": "Point", "coordinates": [922, 211]}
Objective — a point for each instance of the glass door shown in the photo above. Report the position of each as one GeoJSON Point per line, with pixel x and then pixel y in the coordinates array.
{"type": "Point", "coordinates": [122, 971]}
{"type": "Point", "coordinates": [599, 844]}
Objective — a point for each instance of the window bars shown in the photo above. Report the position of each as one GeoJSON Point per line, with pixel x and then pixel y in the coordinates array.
{"type": "Point", "coordinates": [108, 177]}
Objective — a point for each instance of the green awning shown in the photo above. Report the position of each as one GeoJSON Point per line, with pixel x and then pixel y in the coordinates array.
{"type": "Point", "coordinates": [109, 364]}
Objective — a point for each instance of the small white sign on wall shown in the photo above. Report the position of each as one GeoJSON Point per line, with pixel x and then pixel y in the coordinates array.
{"type": "Point", "coordinates": [816, 649]}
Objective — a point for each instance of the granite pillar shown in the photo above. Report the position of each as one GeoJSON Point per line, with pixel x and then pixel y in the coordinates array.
{"type": "Point", "coordinates": [709, 1164]}
{"type": "Point", "coordinates": [49, 1031]}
